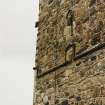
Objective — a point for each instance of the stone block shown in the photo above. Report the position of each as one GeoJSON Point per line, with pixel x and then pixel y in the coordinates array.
{"type": "Point", "coordinates": [67, 31]}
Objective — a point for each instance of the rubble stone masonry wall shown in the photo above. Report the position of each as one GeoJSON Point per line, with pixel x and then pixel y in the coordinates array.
{"type": "Point", "coordinates": [61, 23]}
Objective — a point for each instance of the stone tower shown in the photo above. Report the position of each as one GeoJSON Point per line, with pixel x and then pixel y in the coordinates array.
{"type": "Point", "coordinates": [70, 58]}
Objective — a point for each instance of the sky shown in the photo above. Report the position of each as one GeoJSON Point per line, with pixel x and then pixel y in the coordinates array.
{"type": "Point", "coordinates": [17, 51]}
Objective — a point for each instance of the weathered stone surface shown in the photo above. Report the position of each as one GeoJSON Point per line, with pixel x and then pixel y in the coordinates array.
{"type": "Point", "coordinates": [81, 82]}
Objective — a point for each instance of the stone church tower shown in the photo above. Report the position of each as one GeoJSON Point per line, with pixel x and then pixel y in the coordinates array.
{"type": "Point", "coordinates": [70, 58]}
